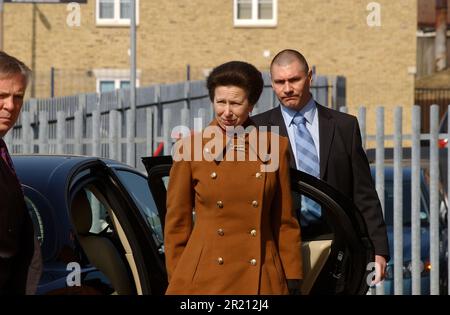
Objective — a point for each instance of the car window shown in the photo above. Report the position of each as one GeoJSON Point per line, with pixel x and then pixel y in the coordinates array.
{"type": "Point", "coordinates": [318, 228]}
{"type": "Point", "coordinates": [389, 195]}
{"type": "Point", "coordinates": [137, 187]}
{"type": "Point", "coordinates": [99, 213]}
{"type": "Point", "coordinates": [443, 126]}
{"type": "Point", "coordinates": [99, 240]}
{"type": "Point", "coordinates": [389, 203]}
{"type": "Point", "coordinates": [165, 180]}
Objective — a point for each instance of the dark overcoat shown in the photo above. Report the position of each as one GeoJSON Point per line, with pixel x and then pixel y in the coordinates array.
{"type": "Point", "coordinates": [343, 165]}
{"type": "Point", "coordinates": [16, 234]}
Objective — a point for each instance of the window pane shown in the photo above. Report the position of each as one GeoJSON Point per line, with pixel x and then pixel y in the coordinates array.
{"type": "Point", "coordinates": [389, 196]}
{"type": "Point", "coordinates": [124, 84]}
{"type": "Point", "coordinates": [137, 186]}
{"type": "Point", "coordinates": [244, 9]}
{"type": "Point", "coordinates": [106, 86]}
{"type": "Point", "coordinates": [265, 8]}
{"type": "Point", "coordinates": [99, 214]}
{"type": "Point", "coordinates": [125, 9]}
{"type": "Point", "coordinates": [106, 9]}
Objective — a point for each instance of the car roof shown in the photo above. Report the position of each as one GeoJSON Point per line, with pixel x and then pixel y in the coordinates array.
{"type": "Point", "coordinates": [405, 163]}
{"type": "Point", "coordinates": [38, 170]}
{"type": "Point", "coordinates": [52, 161]}
{"type": "Point", "coordinates": [406, 153]}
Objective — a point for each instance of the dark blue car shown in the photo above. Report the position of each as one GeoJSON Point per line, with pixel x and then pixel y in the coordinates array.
{"type": "Point", "coordinates": [424, 230]}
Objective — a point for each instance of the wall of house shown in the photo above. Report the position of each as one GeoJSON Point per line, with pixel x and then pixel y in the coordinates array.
{"type": "Point", "coordinates": [378, 62]}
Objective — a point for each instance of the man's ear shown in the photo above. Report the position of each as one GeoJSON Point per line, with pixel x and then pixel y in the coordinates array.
{"type": "Point", "coordinates": [271, 80]}
{"type": "Point", "coordinates": [250, 108]}
{"type": "Point", "coordinates": [310, 76]}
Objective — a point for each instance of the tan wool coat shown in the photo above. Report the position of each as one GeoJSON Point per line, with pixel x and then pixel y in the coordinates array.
{"type": "Point", "coordinates": [244, 238]}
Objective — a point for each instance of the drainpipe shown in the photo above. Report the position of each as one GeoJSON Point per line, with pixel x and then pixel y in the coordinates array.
{"type": "Point", "coordinates": [1, 25]}
{"type": "Point", "coordinates": [441, 35]}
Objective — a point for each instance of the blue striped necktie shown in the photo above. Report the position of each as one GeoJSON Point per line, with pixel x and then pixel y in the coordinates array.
{"type": "Point", "coordinates": [308, 162]}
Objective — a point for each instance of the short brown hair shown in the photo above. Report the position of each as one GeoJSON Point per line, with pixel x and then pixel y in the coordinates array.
{"type": "Point", "coordinates": [240, 74]}
{"type": "Point", "coordinates": [287, 56]}
{"type": "Point", "coordinates": [10, 65]}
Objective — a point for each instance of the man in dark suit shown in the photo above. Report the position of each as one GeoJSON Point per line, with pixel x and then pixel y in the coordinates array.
{"type": "Point", "coordinates": [325, 143]}
{"type": "Point", "coordinates": [16, 228]}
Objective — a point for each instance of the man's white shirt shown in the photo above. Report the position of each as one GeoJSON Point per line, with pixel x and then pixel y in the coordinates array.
{"type": "Point", "coordinates": [312, 124]}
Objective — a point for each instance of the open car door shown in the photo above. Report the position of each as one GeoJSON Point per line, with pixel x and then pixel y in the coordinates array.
{"type": "Point", "coordinates": [336, 254]}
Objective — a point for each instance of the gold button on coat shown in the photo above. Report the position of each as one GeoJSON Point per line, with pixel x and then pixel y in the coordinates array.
{"type": "Point", "coordinates": [254, 203]}
{"type": "Point", "coordinates": [220, 204]}
{"type": "Point", "coordinates": [253, 262]}
{"type": "Point", "coordinates": [213, 175]}
{"type": "Point", "coordinates": [220, 261]}
{"type": "Point", "coordinates": [220, 232]}
{"type": "Point", "coordinates": [253, 232]}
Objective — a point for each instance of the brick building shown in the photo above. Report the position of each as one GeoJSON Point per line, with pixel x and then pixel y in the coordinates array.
{"type": "Point", "coordinates": [375, 52]}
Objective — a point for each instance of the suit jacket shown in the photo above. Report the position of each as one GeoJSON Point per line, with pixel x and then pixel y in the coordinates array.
{"type": "Point", "coordinates": [343, 165]}
{"type": "Point", "coordinates": [16, 234]}
{"type": "Point", "coordinates": [246, 239]}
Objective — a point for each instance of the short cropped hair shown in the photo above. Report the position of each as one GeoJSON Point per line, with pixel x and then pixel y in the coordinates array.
{"type": "Point", "coordinates": [288, 56]}
{"type": "Point", "coordinates": [10, 65]}
{"type": "Point", "coordinates": [237, 73]}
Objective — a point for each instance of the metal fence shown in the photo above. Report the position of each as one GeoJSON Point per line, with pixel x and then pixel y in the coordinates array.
{"type": "Point", "coordinates": [425, 97]}
{"type": "Point", "coordinates": [415, 271]}
{"type": "Point", "coordinates": [98, 125]}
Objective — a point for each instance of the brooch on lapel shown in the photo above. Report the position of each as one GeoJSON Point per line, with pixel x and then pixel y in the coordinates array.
{"type": "Point", "coordinates": [238, 147]}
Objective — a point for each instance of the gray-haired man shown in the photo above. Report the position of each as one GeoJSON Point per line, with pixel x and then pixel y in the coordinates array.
{"type": "Point", "coordinates": [16, 229]}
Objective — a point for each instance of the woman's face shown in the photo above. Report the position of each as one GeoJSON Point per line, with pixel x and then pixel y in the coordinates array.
{"type": "Point", "coordinates": [231, 106]}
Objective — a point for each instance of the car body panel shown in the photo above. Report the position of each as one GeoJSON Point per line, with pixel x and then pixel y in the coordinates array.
{"type": "Point", "coordinates": [406, 228]}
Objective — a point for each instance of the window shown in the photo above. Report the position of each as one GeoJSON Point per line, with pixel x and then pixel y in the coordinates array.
{"type": "Point", "coordinates": [111, 85]}
{"type": "Point", "coordinates": [115, 12]}
{"type": "Point", "coordinates": [107, 86]}
{"type": "Point", "coordinates": [113, 79]}
{"type": "Point", "coordinates": [99, 214]}
{"type": "Point", "coordinates": [255, 12]}
{"type": "Point", "coordinates": [137, 186]}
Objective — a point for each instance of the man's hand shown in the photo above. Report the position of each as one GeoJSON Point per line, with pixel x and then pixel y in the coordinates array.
{"type": "Point", "coordinates": [380, 269]}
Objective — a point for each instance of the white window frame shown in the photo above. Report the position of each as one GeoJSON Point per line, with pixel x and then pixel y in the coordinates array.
{"type": "Point", "coordinates": [116, 21]}
{"type": "Point", "coordinates": [116, 75]}
{"type": "Point", "coordinates": [254, 21]}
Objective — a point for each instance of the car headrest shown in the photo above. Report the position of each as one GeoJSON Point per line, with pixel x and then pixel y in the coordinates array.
{"type": "Point", "coordinates": [81, 212]}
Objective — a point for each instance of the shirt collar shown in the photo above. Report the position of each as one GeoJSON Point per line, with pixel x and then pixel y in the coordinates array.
{"type": "Point", "coordinates": [308, 111]}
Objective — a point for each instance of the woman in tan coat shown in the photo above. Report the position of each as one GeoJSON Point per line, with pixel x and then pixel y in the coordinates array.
{"type": "Point", "coordinates": [230, 225]}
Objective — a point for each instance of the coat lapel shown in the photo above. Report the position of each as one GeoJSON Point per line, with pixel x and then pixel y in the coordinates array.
{"type": "Point", "coordinates": [276, 119]}
{"type": "Point", "coordinates": [228, 142]}
{"type": "Point", "coordinates": [326, 133]}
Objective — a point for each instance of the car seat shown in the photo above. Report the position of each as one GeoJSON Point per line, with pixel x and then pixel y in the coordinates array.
{"type": "Point", "coordinates": [100, 250]}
